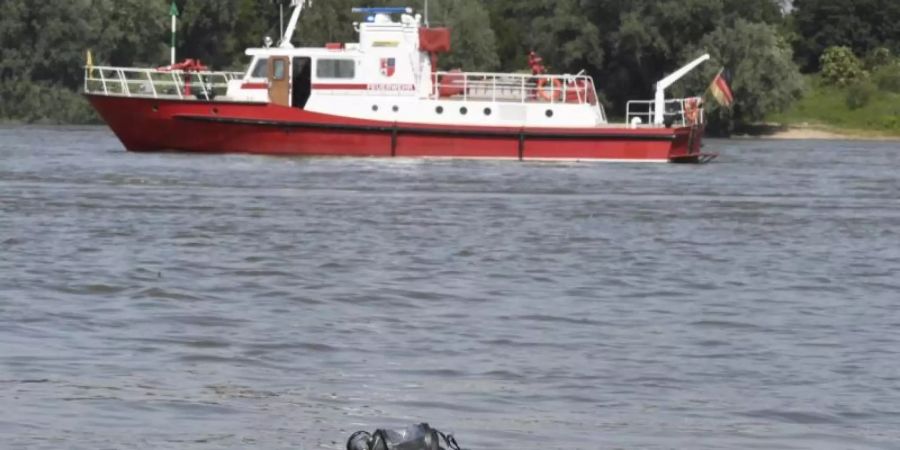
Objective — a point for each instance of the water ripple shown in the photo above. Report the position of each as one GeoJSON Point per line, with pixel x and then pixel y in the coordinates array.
{"type": "Point", "coordinates": [230, 301]}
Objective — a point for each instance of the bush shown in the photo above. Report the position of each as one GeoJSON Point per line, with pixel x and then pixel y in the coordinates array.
{"type": "Point", "coordinates": [840, 67]}
{"type": "Point", "coordinates": [859, 94]}
{"type": "Point", "coordinates": [878, 58]}
{"type": "Point", "coordinates": [887, 78]}
{"type": "Point", "coordinates": [890, 123]}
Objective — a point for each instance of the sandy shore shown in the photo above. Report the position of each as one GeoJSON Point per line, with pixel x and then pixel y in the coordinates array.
{"type": "Point", "coordinates": [816, 133]}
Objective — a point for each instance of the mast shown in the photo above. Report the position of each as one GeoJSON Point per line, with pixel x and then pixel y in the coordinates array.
{"type": "Point", "coordinates": [292, 24]}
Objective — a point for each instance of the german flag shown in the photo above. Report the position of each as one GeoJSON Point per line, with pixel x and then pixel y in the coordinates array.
{"type": "Point", "coordinates": [721, 89]}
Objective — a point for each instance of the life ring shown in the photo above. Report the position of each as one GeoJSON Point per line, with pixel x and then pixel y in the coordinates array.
{"type": "Point", "coordinates": [691, 111]}
{"type": "Point", "coordinates": [553, 92]}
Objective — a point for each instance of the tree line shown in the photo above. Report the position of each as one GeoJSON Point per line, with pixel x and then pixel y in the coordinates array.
{"type": "Point", "coordinates": [625, 45]}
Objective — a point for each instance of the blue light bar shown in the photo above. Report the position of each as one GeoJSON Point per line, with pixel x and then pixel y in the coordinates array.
{"type": "Point", "coordinates": [384, 10]}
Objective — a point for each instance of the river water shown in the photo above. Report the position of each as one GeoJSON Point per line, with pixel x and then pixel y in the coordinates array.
{"type": "Point", "coordinates": [201, 302]}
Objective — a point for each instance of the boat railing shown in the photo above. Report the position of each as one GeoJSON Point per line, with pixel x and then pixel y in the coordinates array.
{"type": "Point", "coordinates": [157, 83]}
{"type": "Point", "coordinates": [512, 87]}
{"type": "Point", "coordinates": [678, 111]}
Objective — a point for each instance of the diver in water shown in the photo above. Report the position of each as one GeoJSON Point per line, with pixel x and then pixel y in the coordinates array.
{"type": "Point", "coordinates": [415, 437]}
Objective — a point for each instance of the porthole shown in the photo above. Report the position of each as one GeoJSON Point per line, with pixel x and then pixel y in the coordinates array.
{"type": "Point", "coordinates": [487, 111]}
{"type": "Point", "coordinates": [375, 108]}
{"type": "Point", "coordinates": [463, 110]}
{"type": "Point", "coordinates": [396, 108]}
{"type": "Point", "coordinates": [155, 108]}
{"type": "Point", "coordinates": [215, 111]}
{"type": "Point", "coordinates": [439, 110]}
{"type": "Point", "coordinates": [549, 113]}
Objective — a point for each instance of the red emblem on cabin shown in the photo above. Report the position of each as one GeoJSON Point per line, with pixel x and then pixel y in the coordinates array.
{"type": "Point", "coordinates": [388, 66]}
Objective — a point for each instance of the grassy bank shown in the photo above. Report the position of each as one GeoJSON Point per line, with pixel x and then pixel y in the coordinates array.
{"type": "Point", "coordinates": [852, 111]}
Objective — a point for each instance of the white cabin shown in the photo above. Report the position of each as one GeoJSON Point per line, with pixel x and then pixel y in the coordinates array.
{"type": "Point", "coordinates": [388, 76]}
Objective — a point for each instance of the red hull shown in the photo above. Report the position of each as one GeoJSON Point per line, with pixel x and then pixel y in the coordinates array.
{"type": "Point", "coordinates": [144, 124]}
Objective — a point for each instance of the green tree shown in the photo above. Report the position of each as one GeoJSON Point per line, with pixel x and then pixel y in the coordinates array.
{"type": "Point", "coordinates": [327, 22]}
{"type": "Point", "coordinates": [861, 25]}
{"type": "Point", "coordinates": [207, 31]}
{"type": "Point", "coordinates": [474, 46]}
{"type": "Point", "coordinates": [44, 45]}
{"type": "Point", "coordinates": [128, 32]}
{"type": "Point", "coordinates": [511, 48]}
{"type": "Point", "coordinates": [759, 11]}
{"type": "Point", "coordinates": [566, 36]}
{"type": "Point", "coordinates": [571, 35]}
{"type": "Point", "coordinates": [43, 41]}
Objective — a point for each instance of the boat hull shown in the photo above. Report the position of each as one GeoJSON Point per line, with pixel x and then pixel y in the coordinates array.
{"type": "Point", "coordinates": [147, 124]}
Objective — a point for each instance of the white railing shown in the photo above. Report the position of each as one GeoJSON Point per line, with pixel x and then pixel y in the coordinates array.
{"type": "Point", "coordinates": [155, 83]}
{"type": "Point", "coordinates": [679, 111]}
{"type": "Point", "coordinates": [512, 87]}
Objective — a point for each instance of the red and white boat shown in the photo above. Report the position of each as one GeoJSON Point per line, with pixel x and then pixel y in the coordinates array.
{"type": "Point", "coordinates": [382, 97]}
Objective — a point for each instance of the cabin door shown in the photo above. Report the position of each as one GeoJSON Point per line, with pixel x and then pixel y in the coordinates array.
{"type": "Point", "coordinates": [302, 82]}
{"type": "Point", "coordinates": [280, 80]}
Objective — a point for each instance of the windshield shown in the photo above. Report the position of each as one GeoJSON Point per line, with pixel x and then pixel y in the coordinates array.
{"type": "Point", "coordinates": [260, 69]}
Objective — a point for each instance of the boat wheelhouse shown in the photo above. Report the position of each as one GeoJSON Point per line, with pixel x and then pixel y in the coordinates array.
{"type": "Point", "coordinates": [382, 96]}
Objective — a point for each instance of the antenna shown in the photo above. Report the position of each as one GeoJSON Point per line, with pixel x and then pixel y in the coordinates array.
{"type": "Point", "coordinates": [426, 15]}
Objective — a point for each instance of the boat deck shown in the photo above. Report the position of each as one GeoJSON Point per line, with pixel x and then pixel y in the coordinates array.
{"type": "Point", "coordinates": [507, 88]}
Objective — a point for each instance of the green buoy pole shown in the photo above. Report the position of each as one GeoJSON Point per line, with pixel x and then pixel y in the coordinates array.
{"type": "Point", "coordinates": [173, 11]}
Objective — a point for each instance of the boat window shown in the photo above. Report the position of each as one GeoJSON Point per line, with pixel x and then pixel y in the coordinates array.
{"type": "Point", "coordinates": [336, 68]}
{"type": "Point", "coordinates": [278, 68]}
{"type": "Point", "coordinates": [261, 69]}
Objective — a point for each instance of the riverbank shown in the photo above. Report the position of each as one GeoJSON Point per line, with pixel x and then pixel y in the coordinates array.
{"type": "Point", "coordinates": [817, 132]}
{"type": "Point", "coordinates": [829, 112]}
